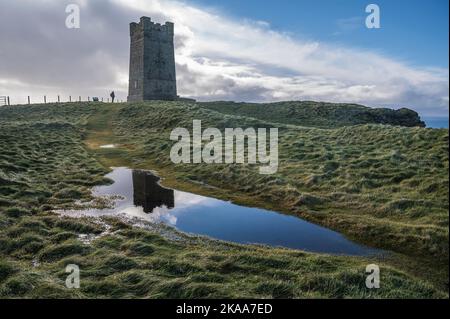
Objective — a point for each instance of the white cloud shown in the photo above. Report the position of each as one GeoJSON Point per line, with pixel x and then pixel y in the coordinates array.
{"type": "Point", "coordinates": [229, 57]}
{"type": "Point", "coordinates": [219, 57]}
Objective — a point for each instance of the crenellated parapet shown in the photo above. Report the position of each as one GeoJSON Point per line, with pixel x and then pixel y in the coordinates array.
{"type": "Point", "coordinates": [146, 25]}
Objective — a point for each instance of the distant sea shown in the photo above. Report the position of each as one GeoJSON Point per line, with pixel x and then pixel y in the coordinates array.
{"type": "Point", "coordinates": [436, 122]}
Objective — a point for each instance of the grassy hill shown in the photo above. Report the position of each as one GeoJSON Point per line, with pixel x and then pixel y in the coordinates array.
{"type": "Point", "coordinates": [318, 114]}
{"type": "Point", "coordinates": [382, 185]}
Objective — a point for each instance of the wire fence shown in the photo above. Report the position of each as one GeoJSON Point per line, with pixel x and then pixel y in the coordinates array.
{"type": "Point", "coordinates": [6, 100]}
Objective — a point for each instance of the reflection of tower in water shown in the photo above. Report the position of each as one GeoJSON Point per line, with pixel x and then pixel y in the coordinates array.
{"type": "Point", "coordinates": [148, 193]}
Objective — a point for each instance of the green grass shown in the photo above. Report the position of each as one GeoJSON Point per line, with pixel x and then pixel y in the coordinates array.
{"type": "Point", "coordinates": [318, 114]}
{"type": "Point", "coordinates": [324, 176]}
{"type": "Point", "coordinates": [383, 185]}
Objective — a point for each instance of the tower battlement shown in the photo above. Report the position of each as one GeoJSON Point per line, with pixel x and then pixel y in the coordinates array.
{"type": "Point", "coordinates": [147, 25]}
{"type": "Point", "coordinates": [152, 61]}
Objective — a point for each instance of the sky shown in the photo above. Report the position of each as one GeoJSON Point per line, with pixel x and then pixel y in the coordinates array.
{"type": "Point", "coordinates": [258, 51]}
{"type": "Point", "coordinates": [413, 30]}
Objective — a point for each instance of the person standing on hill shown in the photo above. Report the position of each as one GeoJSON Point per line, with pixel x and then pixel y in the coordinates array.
{"type": "Point", "coordinates": [112, 95]}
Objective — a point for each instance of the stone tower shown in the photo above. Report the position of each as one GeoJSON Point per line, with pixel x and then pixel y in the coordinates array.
{"type": "Point", "coordinates": [152, 61]}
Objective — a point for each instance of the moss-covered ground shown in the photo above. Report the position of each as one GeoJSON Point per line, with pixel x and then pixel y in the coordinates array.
{"type": "Point", "coordinates": [381, 185]}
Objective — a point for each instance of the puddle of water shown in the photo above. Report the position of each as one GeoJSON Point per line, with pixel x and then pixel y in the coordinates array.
{"type": "Point", "coordinates": [108, 146]}
{"type": "Point", "coordinates": [141, 196]}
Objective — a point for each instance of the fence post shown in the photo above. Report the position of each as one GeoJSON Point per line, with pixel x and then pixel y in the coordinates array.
{"type": "Point", "coordinates": [70, 98]}
{"type": "Point", "coordinates": [79, 98]}
{"type": "Point", "coordinates": [45, 99]}
{"type": "Point", "coordinates": [29, 99]}
{"type": "Point", "coordinates": [89, 99]}
{"type": "Point", "coordinates": [9, 104]}
{"type": "Point", "coordinates": [58, 99]}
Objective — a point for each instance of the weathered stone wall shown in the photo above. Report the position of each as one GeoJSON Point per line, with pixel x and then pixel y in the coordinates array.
{"type": "Point", "coordinates": [152, 61]}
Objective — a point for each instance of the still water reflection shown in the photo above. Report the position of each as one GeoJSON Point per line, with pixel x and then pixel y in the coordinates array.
{"type": "Point", "coordinates": [142, 196]}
